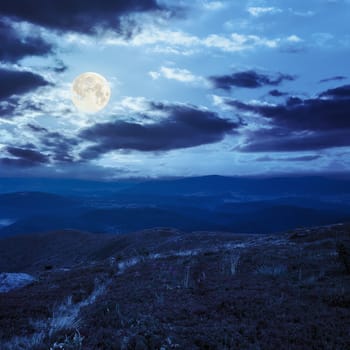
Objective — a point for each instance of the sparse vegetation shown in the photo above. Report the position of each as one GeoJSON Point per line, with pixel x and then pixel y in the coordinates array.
{"type": "Point", "coordinates": [186, 282]}
{"type": "Point", "coordinates": [64, 320]}
{"type": "Point", "coordinates": [205, 291]}
{"type": "Point", "coordinates": [74, 342]}
{"type": "Point", "coordinates": [344, 256]}
{"type": "Point", "coordinates": [271, 270]}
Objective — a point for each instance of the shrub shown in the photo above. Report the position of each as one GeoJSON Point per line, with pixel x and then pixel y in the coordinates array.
{"type": "Point", "coordinates": [344, 256]}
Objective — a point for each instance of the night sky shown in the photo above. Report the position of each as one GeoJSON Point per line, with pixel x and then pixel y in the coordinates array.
{"type": "Point", "coordinates": [198, 87]}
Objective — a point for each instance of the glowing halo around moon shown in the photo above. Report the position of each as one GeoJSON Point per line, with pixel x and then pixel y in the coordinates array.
{"type": "Point", "coordinates": [90, 92]}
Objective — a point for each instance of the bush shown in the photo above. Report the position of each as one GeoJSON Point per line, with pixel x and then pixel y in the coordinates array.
{"type": "Point", "coordinates": [344, 256]}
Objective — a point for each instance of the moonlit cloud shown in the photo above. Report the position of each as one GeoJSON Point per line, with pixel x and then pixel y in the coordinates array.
{"type": "Point", "coordinates": [178, 74]}
{"type": "Point", "coordinates": [299, 124]}
{"type": "Point", "coordinates": [197, 87]}
{"type": "Point", "coordinates": [178, 42]}
{"type": "Point", "coordinates": [213, 5]}
{"type": "Point", "coordinates": [260, 11]}
{"type": "Point", "coordinates": [184, 126]}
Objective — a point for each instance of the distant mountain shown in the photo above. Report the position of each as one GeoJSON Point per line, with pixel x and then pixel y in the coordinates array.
{"type": "Point", "coordinates": [201, 185]}
{"type": "Point", "coordinates": [117, 220]}
{"type": "Point", "coordinates": [132, 219]}
{"type": "Point", "coordinates": [24, 204]}
{"type": "Point", "coordinates": [205, 185]}
{"type": "Point", "coordinates": [285, 217]}
{"type": "Point", "coordinates": [70, 187]}
{"type": "Point", "coordinates": [233, 204]}
{"type": "Point", "coordinates": [41, 223]}
{"type": "Point", "coordinates": [124, 220]}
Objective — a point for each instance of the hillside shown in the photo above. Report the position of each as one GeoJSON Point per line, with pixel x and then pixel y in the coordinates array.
{"type": "Point", "coordinates": [58, 249]}
{"type": "Point", "coordinates": [167, 289]}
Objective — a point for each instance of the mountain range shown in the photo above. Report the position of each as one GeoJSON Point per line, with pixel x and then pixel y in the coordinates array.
{"type": "Point", "coordinates": [233, 204]}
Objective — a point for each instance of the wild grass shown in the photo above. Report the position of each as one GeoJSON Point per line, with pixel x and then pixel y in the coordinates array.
{"type": "Point", "coordinates": [230, 262]}
{"type": "Point", "coordinates": [268, 270]}
{"type": "Point", "coordinates": [65, 317]}
{"type": "Point", "coordinates": [24, 342]}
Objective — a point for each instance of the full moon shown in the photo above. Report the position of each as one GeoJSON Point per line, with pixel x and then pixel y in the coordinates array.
{"type": "Point", "coordinates": [90, 92]}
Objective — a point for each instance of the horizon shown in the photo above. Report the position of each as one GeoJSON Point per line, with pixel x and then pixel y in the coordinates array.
{"type": "Point", "coordinates": [306, 175]}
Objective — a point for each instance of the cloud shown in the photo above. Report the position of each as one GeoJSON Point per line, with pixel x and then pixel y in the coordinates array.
{"type": "Point", "coordinates": [238, 42]}
{"type": "Point", "coordinates": [14, 46]}
{"type": "Point", "coordinates": [182, 75]}
{"type": "Point", "coordinates": [308, 13]}
{"type": "Point", "coordinates": [7, 107]}
{"type": "Point", "coordinates": [275, 140]}
{"type": "Point", "coordinates": [22, 157]}
{"type": "Point", "coordinates": [324, 40]}
{"type": "Point", "coordinates": [260, 11]}
{"type": "Point", "coordinates": [308, 158]}
{"type": "Point", "coordinates": [247, 79]}
{"type": "Point", "coordinates": [335, 78]}
{"type": "Point", "coordinates": [294, 39]}
{"type": "Point", "coordinates": [339, 92]}
{"type": "Point", "coordinates": [277, 93]}
{"type": "Point", "coordinates": [213, 5]}
{"type": "Point", "coordinates": [83, 16]}
{"type": "Point", "coordinates": [298, 114]}
{"type": "Point", "coordinates": [184, 126]}
{"type": "Point", "coordinates": [15, 82]}
{"type": "Point", "coordinates": [60, 66]}
{"type": "Point", "coordinates": [179, 42]}
{"type": "Point", "coordinates": [298, 124]}
{"type": "Point", "coordinates": [58, 146]}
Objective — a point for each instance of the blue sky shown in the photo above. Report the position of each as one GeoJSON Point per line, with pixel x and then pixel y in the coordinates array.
{"type": "Point", "coordinates": [210, 87]}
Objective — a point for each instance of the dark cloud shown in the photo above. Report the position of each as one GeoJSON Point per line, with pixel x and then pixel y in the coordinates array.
{"type": "Point", "coordinates": [7, 108]}
{"type": "Point", "coordinates": [23, 157]}
{"type": "Point", "coordinates": [60, 67]}
{"type": "Point", "coordinates": [59, 146]}
{"type": "Point", "coordinates": [15, 46]}
{"type": "Point", "coordinates": [298, 114]}
{"type": "Point", "coordinates": [83, 16]}
{"type": "Point", "coordinates": [300, 125]}
{"type": "Point", "coordinates": [247, 79]}
{"type": "Point", "coordinates": [14, 106]}
{"type": "Point", "coordinates": [36, 128]}
{"type": "Point", "coordinates": [15, 82]}
{"type": "Point", "coordinates": [48, 148]}
{"type": "Point", "coordinates": [339, 92]}
{"type": "Point", "coordinates": [183, 127]}
{"type": "Point", "coordinates": [277, 93]}
{"type": "Point", "coordinates": [273, 140]}
{"type": "Point", "coordinates": [336, 78]}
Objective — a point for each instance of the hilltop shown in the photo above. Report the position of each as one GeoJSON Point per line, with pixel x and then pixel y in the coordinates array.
{"type": "Point", "coordinates": [168, 289]}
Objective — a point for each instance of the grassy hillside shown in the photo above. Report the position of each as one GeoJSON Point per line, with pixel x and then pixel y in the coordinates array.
{"type": "Point", "coordinates": [165, 289]}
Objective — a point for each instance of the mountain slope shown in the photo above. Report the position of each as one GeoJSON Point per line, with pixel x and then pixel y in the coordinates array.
{"type": "Point", "coordinates": [164, 289]}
